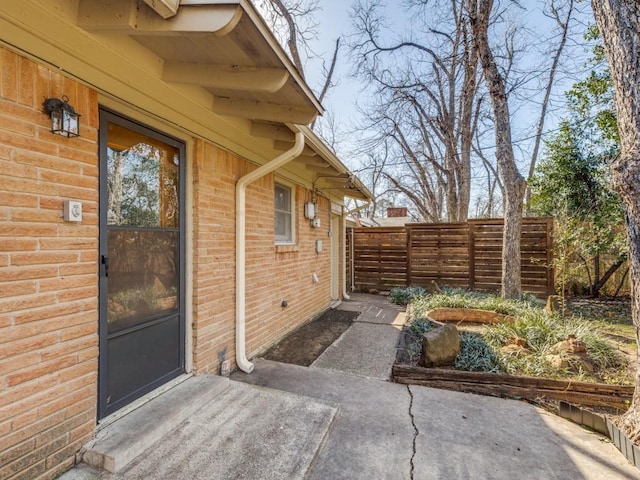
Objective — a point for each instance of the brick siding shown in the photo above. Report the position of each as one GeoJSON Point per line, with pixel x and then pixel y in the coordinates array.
{"type": "Point", "coordinates": [48, 274]}
{"type": "Point", "coordinates": [273, 273]}
{"type": "Point", "coordinates": [49, 269]}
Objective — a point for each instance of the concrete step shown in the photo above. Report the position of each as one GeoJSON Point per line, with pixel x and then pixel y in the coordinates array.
{"type": "Point", "coordinates": [248, 432]}
{"type": "Point", "coordinates": [119, 443]}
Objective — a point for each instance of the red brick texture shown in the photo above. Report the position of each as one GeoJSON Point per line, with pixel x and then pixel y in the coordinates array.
{"type": "Point", "coordinates": [49, 269]}
{"type": "Point", "coordinates": [48, 274]}
{"type": "Point", "coordinates": [273, 273]}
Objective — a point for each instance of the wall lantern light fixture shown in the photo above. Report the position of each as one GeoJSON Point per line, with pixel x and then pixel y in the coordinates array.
{"type": "Point", "coordinates": [64, 119]}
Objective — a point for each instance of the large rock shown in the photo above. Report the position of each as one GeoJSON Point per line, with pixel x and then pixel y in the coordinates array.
{"type": "Point", "coordinates": [575, 362]}
{"type": "Point", "coordinates": [440, 346]}
{"type": "Point", "coordinates": [570, 345]}
{"type": "Point", "coordinates": [570, 354]}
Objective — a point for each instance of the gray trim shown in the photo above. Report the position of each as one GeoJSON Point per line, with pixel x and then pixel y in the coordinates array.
{"type": "Point", "coordinates": [106, 117]}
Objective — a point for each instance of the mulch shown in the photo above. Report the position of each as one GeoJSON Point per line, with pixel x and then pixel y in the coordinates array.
{"type": "Point", "coordinates": [305, 344]}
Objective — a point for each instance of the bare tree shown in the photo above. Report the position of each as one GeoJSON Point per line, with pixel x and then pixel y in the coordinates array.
{"type": "Point", "coordinates": [619, 25]}
{"type": "Point", "coordinates": [427, 106]}
{"type": "Point", "coordinates": [373, 174]}
{"type": "Point", "coordinates": [513, 183]}
{"type": "Point", "coordinates": [414, 172]}
{"type": "Point", "coordinates": [294, 21]}
{"type": "Point", "coordinates": [489, 207]}
{"type": "Point", "coordinates": [562, 17]}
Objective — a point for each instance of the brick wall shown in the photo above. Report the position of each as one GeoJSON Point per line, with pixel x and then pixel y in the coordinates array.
{"type": "Point", "coordinates": [273, 273]}
{"type": "Point", "coordinates": [49, 269]}
{"type": "Point", "coordinates": [48, 274]}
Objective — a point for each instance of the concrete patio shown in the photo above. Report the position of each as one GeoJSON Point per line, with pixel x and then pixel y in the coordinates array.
{"type": "Point", "coordinates": [342, 419]}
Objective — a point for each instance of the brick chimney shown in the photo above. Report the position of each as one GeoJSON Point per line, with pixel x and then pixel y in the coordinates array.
{"type": "Point", "coordinates": [396, 212]}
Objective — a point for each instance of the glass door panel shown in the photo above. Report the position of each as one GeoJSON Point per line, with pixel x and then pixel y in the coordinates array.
{"type": "Point", "coordinates": [142, 244]}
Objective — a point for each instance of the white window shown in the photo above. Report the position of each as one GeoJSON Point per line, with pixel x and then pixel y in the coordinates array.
{"type": "Point", "coordinates": [283, 201]}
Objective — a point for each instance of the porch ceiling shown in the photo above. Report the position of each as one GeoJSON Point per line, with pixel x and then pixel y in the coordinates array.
{"type": "Point", "coordinates": [222, 46]}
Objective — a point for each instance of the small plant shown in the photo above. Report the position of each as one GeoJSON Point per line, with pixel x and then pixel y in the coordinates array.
{"type": "Point", "coordinates": [415, 332]}
{"type": "Point", "coordinates": [419, 327]}
{"type": "Point", "coordinates": [537, 329]}
{"type": "Point", "coordinates": [404, 296]}
{"type": "Point", "coordinates": [476, 355]}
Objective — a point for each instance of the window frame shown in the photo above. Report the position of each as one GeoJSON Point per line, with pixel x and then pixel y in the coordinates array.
{"type": "Point", "coordinates": [291, 212]}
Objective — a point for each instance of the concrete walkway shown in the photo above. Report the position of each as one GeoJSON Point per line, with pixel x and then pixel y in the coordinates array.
{"type": "Point", "coordinates": [390, 431]}
{"type": "Point", "coordinates": [368, 347]}
{"type": "Point", "coordinates": [341, 419]}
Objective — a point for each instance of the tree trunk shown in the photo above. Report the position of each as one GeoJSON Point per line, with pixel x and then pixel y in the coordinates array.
{"type": "Point", "coordinates": [514, 184]}
{"type": "Point", "coordinates": [596, 275]}
{"type": "Point", "coordinates": [564, 29]}
{"type": "Point", "coordinates": [607, 275]}
{"type": "Point", "coordinates": [511, 262]}
{"type": "Point", "coordinates": [619, 25]}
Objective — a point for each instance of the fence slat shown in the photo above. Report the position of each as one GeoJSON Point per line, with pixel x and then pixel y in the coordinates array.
{"type": "Point", "coordinates": [465, 255]}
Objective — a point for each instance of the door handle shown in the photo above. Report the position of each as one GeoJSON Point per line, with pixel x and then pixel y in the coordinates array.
{"type": "Point", "coordinates": [105, 261]}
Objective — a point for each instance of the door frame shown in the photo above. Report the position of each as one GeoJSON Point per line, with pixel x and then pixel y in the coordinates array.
{"type": "Point", "coordinates": [107, 115]}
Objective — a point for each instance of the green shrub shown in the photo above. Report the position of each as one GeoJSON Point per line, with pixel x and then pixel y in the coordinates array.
{"type": "Point", "coordinates": [476, 355]}
{"type": "Point", "coordinates": [538, 329]}
{"type": "Point", "coordinates": [404, 296]}
{"type": "Point", "coordinates": [419, 327]}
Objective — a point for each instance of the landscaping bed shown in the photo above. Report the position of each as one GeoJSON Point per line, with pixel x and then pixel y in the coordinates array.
{"type": "Point", "coordinates": [524, 352]}
{"type": "Point", "coordinates": [305, 344]}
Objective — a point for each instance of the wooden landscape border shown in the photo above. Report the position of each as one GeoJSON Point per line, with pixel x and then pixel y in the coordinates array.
{"type": "Point", "coordinates": [467, 315]}
{"type": "Point", "coordinates": [512, 386]}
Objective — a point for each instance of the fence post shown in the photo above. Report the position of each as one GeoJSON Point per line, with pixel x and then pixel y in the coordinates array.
{"type": "Point", "coordinates": [472, 256]}
{"type": "Point", "coordinates": [408, 240]}
{"type": "Point", "coordinates": [550, 271]}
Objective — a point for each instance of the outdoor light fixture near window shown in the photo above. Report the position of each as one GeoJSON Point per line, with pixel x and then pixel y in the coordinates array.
{"type": "Point", "coordinates": [64, 119]}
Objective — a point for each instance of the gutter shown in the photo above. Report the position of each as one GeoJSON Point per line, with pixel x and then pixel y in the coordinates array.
{"type": "Point", "coordinates": [345, 295]}
{"type": "Point", "coordinates": [241, 186]}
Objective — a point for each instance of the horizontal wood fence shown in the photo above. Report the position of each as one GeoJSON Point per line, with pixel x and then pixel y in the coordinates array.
{"type": "Point", "coordinates": [467, 255]}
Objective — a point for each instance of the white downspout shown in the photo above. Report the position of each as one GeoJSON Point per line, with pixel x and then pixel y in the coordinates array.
{"type": "Point", "coordinates": [241, 186]}
{"type": "Point", "coordinates": [345, 295]}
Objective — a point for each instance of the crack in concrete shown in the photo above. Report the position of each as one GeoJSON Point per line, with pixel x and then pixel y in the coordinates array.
{"type": "Point", "coordinates": [415, 432]}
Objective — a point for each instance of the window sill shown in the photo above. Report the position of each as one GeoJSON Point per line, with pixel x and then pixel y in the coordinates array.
{"type": "Point", "coordinates": [286, 248]}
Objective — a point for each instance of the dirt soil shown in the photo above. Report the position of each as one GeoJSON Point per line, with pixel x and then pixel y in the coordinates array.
{"type": "Point", "coordinates": [304, 345]}
{"type": "Point", "coordinates": [613, 317]}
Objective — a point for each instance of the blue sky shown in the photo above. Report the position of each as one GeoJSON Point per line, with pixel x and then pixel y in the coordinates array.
{"type": "Point", "coordinates": [334, 20]}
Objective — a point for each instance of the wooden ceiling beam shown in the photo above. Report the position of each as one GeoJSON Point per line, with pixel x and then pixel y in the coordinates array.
{"type": "Point", "coordinates": [315, 162]}
{"type": "Point", "coordinates": [272, 132]}
{"type": "Point", "coordinates": [232, 77]}
{"type": "Point", "coordinates": [256, 110]}
{"type": "Point", "coordinates": [164, 8]}
{"type": "Point", "coordinates": [124, 16]}
{"type": "Point", "coordinates": [283, 145]}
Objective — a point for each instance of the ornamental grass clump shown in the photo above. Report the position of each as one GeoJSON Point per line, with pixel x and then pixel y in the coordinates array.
{"type": "Point", "coordinates": [476, 355]}
{"type": "Point", "coordinates": [541, 331]}
{"type": "Point", "coordinates": [404, 296]}
{"type": "Point", "coordinates": [537, 330]}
